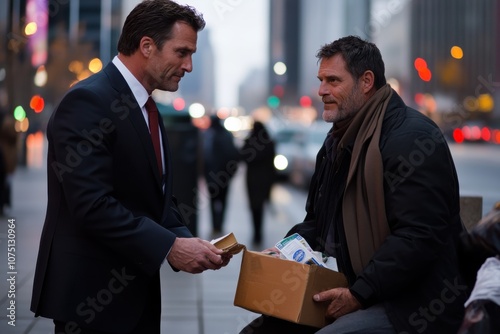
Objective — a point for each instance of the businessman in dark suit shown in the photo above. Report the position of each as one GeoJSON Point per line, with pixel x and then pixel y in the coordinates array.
{"type": "Point", "coordinates": [111, 219]}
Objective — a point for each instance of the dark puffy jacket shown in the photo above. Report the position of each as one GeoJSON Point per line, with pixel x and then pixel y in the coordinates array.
{"type": "Point", "coordinates": [415, 271]}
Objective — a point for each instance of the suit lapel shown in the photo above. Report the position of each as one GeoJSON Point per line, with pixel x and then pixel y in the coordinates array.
{"type": "Point", "coordinates": [136, 118]}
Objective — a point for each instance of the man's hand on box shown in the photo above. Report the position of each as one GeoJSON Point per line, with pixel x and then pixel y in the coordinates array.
{"type": "Point", "coordinates": [194, 255]}
{"type": "Point", "coordinates": [341, 302]}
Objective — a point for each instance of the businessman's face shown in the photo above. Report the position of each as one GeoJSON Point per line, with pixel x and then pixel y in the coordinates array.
{"type": "Point", "coordinates": [167, 66]}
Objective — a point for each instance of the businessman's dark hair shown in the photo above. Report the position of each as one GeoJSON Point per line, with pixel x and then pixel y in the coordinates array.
{"type": "Point", "coordinates": [155, 19]}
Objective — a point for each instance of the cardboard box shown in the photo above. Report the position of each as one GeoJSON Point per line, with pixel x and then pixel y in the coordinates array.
{"type": "Point", "coordinates": [284, 289]}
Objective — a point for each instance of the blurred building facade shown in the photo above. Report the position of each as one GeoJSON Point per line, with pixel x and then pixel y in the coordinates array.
{"type": "Point", "coordinates": [444, 55]}
{"type": "Point", "coordinates": [253, 90]}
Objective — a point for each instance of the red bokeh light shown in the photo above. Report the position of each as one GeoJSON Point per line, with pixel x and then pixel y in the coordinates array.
{"type": "Point", "coordinates": [37, 103]}
{"type": "Point", "coordinates": [179, 104]}
{"type": "Point", "coordinates": [420, 64]}
{"type": "Point", "coordinates": [305, 101]}
{"type": "Point", "coordinates": [458, 136]}
{"type": "Point", "coordinates": [425, 74]}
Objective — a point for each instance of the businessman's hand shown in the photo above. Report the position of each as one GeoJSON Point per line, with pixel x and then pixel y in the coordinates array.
{"type": "Point", "coordinates": [194, 255]}
{"type": "Point", "coordinates": [341, 302]}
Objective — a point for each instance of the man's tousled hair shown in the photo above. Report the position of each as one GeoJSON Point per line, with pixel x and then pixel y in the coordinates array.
{"type": "Point", "coordinates": [359, 56]}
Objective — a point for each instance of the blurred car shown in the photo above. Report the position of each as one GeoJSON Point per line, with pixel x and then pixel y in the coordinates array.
{"type": "Point", "coordinates": [286, 140]}
{"type": "Point", "coordinates": [304, 160]}
{"type": "Point", "coordinates": [477, 132]}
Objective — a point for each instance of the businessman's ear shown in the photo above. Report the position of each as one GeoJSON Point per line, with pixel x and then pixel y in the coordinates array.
{"type": "Point", "coordinates": [146, 46]}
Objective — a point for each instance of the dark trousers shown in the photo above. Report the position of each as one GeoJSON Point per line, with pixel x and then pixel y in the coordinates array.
{"type": "Point", "coordinates": [149, 322]}
{"type": "Point", "coordinates": [372, 320]}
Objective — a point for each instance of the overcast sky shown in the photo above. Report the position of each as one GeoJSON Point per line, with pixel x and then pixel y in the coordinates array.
{"type": "Point", "coordinates": [238, 32]}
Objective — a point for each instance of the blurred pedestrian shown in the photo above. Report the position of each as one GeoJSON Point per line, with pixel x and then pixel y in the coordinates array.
{"type": "Point", "coordinates": [221, 157]}
{"type": "Point", "coordinates": [8, 158]}
{"type": "Point", "coordinates": [111, 219]}
{"type": "Point", "coordinates": [384, 202]}
{"type": "Point", "coordinates": [258, 153]}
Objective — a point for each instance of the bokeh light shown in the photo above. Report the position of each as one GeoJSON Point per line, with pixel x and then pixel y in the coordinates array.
{"type": "Point", "coordinates": [196, 110]}
{"type": "Point", "coordinates": [420, 64]}
{"type": "Point", "coordinates": [425, 74]}
{"type": "Point", "coordinates": [37, 103]}
{"type": "Point", "coordinates": [279, 68]}
{"type": "Point", "coordinates": [179, 104]}
{"type": "Point", "coordinates": [30, 29]}
{"type": "Point", "coordinates": [95, 65]}
{"type": "Point", "coordinates": [19, 113]}
{"type": "Point", "coordinates": [457, 52]}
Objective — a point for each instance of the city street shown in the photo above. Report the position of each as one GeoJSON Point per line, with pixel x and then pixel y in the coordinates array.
{"type": "Point", "coordinates": [195, 304]}
{"type": "Point", "coordinates": [478, 169]}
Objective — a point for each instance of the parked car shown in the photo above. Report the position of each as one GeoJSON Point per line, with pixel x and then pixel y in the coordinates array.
{"type": "Point", "coordinates": [305, 157]}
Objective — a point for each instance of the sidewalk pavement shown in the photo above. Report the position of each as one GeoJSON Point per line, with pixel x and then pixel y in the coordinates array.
{"type": "Point", "coordinates": [191, 304]}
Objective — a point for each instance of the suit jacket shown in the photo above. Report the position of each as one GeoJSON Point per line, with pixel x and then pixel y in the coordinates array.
{"type": "Point", "coordinates": [109, 225]}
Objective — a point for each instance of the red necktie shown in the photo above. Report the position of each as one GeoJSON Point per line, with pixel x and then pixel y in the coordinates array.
{"type": "Point", "coordinates": [153, 129]}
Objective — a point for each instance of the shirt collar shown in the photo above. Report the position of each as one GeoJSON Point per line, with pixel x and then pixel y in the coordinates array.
{"type": "Point", "coordinates": [140, 93]}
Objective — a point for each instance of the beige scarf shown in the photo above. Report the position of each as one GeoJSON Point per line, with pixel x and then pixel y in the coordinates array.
{"type": "Point", "coordinates": [363, 206]}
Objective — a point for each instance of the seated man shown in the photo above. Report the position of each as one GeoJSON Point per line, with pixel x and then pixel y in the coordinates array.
{"type": "Point", "coordinates": [384, 201]}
